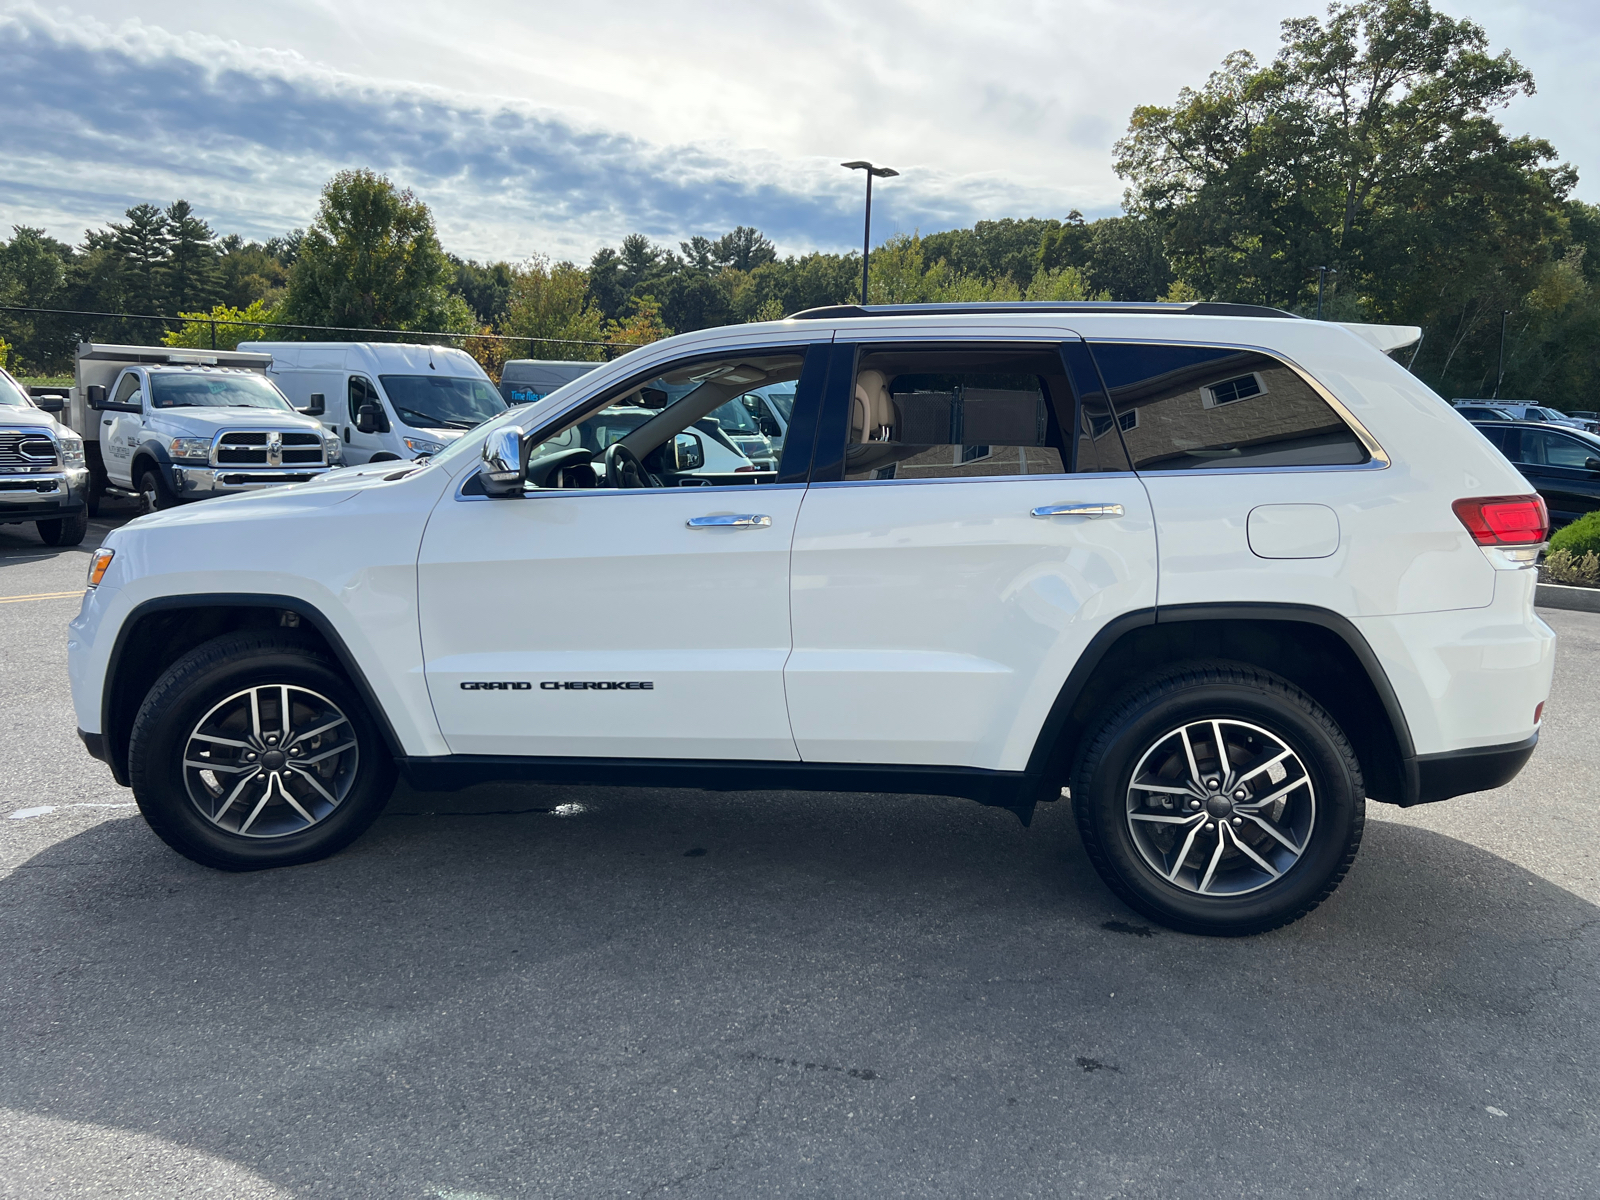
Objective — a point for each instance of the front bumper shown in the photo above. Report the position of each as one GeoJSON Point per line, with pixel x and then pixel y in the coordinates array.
{"type": "Point", "coordinates": [195, 483]}
{"type": "Point", "coordinates": [44, 496]}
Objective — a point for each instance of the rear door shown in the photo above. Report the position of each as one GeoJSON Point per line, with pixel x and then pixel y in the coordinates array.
{"type": "Point", "coordinates": [969, 528]}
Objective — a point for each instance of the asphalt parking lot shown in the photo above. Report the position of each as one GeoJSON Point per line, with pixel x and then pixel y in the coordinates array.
{"type": "Point", "coordinates": [523, 991]}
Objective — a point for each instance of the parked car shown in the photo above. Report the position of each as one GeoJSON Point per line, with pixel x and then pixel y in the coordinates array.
{"type": "Point", "coordinates": [524, 380]}
{"type": "Point", "coordinates": [1528, 412]}
{"type": "Point", "coordinates": [171, 425]}
{"type": "Point", "coordinates": [1482, 412]}
{"type": "Point", "coordinates": [1563, 464]}
{"type": "Point", "coordinates": [385, 400]}
{"type": "Point", "coordinates": [44, 476]}
{"type": "Point", "coordinates": [1225, 573]}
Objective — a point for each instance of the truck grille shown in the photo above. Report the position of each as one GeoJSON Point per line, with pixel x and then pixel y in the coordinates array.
{"type": "Point", "coordinates": [21, 449]}
{"type": "Point", "coordinates": [263, 448]}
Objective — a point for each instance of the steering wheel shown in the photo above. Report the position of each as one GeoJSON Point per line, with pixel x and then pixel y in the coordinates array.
{"type": "Point", "coordinates": [624, 470]}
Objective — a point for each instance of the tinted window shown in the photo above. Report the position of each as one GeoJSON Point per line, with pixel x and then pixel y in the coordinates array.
{"type": "Point", "coordinates": [1193, 407]}
{"type": "Point", "coordinates": [1541, 449]}
{"type": "Point", "coordinates": [126, 389]}
{"type": "Point", "coordinates": [361, 392]}
{"type": "Point", "coordinates": [943, 413]}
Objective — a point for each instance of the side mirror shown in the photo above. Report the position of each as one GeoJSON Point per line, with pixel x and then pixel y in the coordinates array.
{"type": "Point", "coordinates": [50, 404]}
{"type": "Point", "coordinates": [318, 405]}
{"type": "Point", "coordinates": [502, 463]}
{"type": "Point", "coordinates": [369, 418]}
{"type": "Point", "coordinates": [96, 395]}
{"type": "Point", "coordinates": [1591, 464]}
{"type": "Point", "coordinates": [688, 453]}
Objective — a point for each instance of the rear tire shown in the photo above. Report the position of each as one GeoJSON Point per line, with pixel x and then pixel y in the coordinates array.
{"type": "Point", "coordinates": [224, 779]}
{"type": "Point", "coordinates": [1220, 845]}
{"type": "Point", "coordinates": [64, 531]}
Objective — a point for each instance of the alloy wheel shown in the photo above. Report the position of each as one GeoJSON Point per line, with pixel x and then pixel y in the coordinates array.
{"type": "Point", "coordinates": [270, 761]}
{"type": "Point", "coordinates": [1221, 807]}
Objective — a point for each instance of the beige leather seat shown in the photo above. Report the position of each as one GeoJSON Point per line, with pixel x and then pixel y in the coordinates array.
{"type": "Point", "coordinates": [872, 417]}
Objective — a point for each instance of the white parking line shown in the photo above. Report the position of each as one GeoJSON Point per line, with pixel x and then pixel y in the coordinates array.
{"type": "Point", "coordinates": [44, 810]}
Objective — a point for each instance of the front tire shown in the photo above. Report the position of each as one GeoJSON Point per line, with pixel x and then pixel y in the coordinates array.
{"type": "Point", "coordinates": [155, 494]}
{"type": "Point", "coordinates": [254, 751]}
{"type": "Point", "coordinates": [1223, 844]}
{"type": "Point", "coordinates": [64, 531]}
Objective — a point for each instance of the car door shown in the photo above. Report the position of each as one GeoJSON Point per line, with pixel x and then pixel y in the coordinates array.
{"type": "Point", "coordinates": [1565, 469]}
{"type": "Point", "coordinates": [360, 447]}
{"type": "Point", "coordinates": [595, 617]}
{"type": "Point", "coordinates": [969, 528]}
{"type": "Point", "coordinates": [120, 430]}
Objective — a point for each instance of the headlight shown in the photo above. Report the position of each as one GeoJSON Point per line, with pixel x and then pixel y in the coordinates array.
{"type": "Point", "coordinates": [98, 562]}
{"type": "Point", "coordinates": [191, 449]}
{"type": "Point", "coordinates": [332, 447]}
{"type": "Point", "coordinates": [421, 446]}
{"type": "Point", "coordinates": [72, 452]}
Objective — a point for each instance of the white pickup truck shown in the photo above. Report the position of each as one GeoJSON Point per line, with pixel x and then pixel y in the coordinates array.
{"type": "Point", "coordinates": [170, 425]}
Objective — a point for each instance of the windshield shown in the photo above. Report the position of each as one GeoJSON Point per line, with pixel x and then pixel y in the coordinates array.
{"type": "Point", "coordinates": [207, 390]}
{"type": "Point", "coordinates": [734, 417]}
{"type": "Point", "coordinates": [440, 402]}
{"type": "Point", "coordinates": [11, 396]}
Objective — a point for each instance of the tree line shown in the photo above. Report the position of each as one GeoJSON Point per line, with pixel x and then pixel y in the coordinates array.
{"type": "Point", "coordinates": [1363, 164]}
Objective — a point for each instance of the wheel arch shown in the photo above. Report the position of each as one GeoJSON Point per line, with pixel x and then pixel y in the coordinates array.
{"type": "Point", "coordinates": [1316, 649]}
{"type": "Point", "coordinates": [158, 632]}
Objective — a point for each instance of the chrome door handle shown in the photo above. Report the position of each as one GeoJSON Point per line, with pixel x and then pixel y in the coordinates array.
{"type": "Point", "coordinates": [731, 521]}
{"type": "Point", "coordinates": [1078, 510]}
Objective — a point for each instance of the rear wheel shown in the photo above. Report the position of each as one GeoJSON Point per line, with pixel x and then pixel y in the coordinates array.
{"type": "Point", "coordinates": [254, 751]}
{"type": "Point", "coordinates": [1220, 799]}
{"type": "Point", "coordinates": [64, 531]}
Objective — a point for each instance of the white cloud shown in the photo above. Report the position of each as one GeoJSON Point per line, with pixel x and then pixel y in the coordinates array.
{"type": "Point", "coordinates": [560, 127]}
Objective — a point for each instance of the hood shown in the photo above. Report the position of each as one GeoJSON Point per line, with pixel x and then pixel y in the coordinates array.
{"type": "Point", "coordinates": [235, 418]}
{"type": "Point", "coordinates": [28, 418]}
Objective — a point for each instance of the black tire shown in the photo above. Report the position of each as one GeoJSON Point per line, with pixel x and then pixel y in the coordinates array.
{"type": "Point", "coordinates": [97, 490]}
{"type": "Point", "coordinates": [155, 493]}
{"type": "Point", "coordinates": [203, 681]}
{"type": "Point", "coordinates": [1254, 709]}
{"type": "Point", "coordinates": [64, 531]}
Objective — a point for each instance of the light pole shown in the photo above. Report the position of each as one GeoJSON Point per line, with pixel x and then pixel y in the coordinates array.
{"type": "Point", "coordinates": [1500, 375]}
{"type": "Point", "coordinates": [1322, 277]}
{"type": "Point", "coordinates": [866, 237]}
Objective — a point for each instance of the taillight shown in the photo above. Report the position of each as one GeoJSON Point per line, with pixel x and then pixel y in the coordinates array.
{"type": "Point", "coordinates": [1505, 520]}
{"type": "Point", "coordinates": [746, 467]}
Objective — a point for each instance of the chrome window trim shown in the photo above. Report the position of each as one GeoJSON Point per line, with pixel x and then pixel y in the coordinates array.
{"type": "Point", "coordinates": [742, 489]}
{"type": "Point", "coordinates": [839, 483]}
{"type": "Point", "coordinates": [1378, 457]}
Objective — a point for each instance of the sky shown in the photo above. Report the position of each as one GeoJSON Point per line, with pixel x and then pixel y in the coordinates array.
{"type": "Point", "coordinates": [539, 128]}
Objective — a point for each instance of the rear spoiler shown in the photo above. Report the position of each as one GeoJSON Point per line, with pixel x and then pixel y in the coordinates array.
{"type": "Point", "coordinates": [1386, 337]}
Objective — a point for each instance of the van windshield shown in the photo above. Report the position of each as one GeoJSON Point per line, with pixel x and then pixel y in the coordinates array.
{"type": "Point", "coordinates": [441, 402]}
{"type": "Point", "coordinates": [205, 390]}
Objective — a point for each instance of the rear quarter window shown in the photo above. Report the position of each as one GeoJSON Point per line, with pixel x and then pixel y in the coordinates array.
{"type": "Point", "coordinates": [1185, 408]}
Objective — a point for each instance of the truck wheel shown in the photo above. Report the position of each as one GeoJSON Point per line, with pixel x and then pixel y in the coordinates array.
{"type": "Point", "coordinates": [1220, 799]}
{"type": "Point", "coordinates": [155, 493]}
{"type": "Point", "coordinates": [254, 751]}
{"type": "Point", "coordinates": [64, 531]}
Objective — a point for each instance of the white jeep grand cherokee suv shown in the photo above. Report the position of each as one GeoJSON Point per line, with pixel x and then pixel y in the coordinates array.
{"type": "Point", "coordinates": [1224, 573]}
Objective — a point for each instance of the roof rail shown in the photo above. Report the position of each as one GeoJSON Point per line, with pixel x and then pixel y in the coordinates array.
{"type": "Point", "coordinates": [1202, 308]}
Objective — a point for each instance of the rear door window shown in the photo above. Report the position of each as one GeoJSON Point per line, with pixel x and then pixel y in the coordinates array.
{"type": "Point", "coordinates": [952, 412]}
{"type": "Point", "coordinates": [1186, 408]}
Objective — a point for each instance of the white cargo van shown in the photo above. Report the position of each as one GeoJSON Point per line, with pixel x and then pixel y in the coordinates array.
{"type": "Point", "coordinates": [385, 400]}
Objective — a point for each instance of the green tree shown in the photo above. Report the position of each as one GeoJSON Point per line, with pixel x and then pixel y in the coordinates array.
{"type": "Point", "coordinates": [143, 243]}
{"type": "Point", "coordinates": [552, 302]}
{"type": "Point", "coordinates": [249, 271]}
{"type": "Point", "coordinates": [229, 325]}
{"type": "Point", "coordinates": [372, 259]}
{"type": "Point", "coordinates": [190, 271]}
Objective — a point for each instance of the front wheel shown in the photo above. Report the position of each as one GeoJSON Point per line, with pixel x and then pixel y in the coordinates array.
{"type": "Point", "coordinates": [1220, 799]}
{"type": "Point", "coordinates": [64, 531]}
{"type": "Point", "coordinates": [155, 494]}
{"type": "Point", "coordinates": [254, 751]}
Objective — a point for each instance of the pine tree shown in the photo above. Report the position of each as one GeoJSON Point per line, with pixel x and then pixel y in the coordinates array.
{"type": "Point", "coordinates": [191, 266]}
{"type": "Point", "coordinates": [143, 244]}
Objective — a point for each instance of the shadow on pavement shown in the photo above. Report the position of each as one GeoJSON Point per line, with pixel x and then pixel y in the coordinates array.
{"type": "Point", "coordinates": [493, 995]}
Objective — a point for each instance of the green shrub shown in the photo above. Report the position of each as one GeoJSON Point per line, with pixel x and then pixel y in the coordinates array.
{"type": "Point", "coordinates": [1581, 537]}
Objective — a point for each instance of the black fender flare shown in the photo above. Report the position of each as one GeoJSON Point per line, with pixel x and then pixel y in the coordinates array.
{"type": "Point", "coordinates": [116, 747]}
